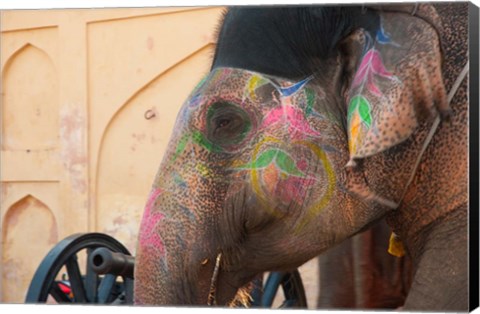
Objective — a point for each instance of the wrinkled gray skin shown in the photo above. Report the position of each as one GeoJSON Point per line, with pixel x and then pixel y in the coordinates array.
{"type": "Point", "coordinates": [360, 274]}
{"type": "Point", "coordinates": [207, 198]}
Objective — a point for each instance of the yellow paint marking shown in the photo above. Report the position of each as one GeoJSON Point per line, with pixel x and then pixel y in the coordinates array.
{"type": "Point", "coordinates": [355, 125]}
{"type": "Point", "coordinates": [204, 170]}
{"type": "Point", "coordinates": [318, 206]}
{"type": "Point", "coordinates": [252, 84]}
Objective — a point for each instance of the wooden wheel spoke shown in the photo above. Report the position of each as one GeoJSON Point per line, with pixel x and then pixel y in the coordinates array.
{"type": "Point", "coordinates": [105, 288]}
{"type": "Point", "coordinates": [76, 281]}
{"type": "Point", "coordinates": [91, 281]}
{"type": "Point", "coordinates": [287, 286]}
{"type": "Point", "coordinates": [82, 285]}
{"type": "Point", "coordinates": [292, 286]}
{"type": "Point", "coordinates": [288, 304]}
{"type": "Point", "coordinates": [57, 293]}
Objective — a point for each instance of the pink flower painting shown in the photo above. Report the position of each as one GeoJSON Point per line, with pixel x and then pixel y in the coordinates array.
{"type": "Point", "coordinates": [370, 68]}
{"type": "Point", "coordinates": [294, 118]}
{"type": "Point", "coordinates": [149, 237]}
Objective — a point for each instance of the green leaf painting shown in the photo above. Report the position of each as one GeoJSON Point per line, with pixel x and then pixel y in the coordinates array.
{"type": "Point", "coordinates": [360, 104]}
{"type": "Point", "coordinates": [282, 161]}
{"type": "Point", "coordinates": [201, 140]}
{"type": "Point", "coordinates": [287, 164]}
{"type": "Point", "coordinates": [198, 138]}
{"type": "Point", "coordinates": [264, 159]}
{"type": "Point", "coordinates": [310, 94]}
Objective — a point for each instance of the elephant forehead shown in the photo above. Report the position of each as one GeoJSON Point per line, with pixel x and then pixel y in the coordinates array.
{"type": "Point", "coordinates": [254, 93]}
{"type": "Point", "coordinates": [244, 83]}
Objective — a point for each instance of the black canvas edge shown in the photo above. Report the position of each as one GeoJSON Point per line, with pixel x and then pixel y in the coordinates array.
{"type": "Point", "coordinates": [474, 156]}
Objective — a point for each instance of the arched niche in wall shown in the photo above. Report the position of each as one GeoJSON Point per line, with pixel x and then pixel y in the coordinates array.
{"type": "Point", "coordinates": [30, 101]}
{"type": "Point", "coordinates": [29, 231]}
{"type": "Point", "coordinates": [134, 142]}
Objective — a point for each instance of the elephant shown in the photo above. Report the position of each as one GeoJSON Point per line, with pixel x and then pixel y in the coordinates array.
{"type": "Point", "coordinates": [360, 274]}
{"type": "Point", "coordinates": [313, 124]}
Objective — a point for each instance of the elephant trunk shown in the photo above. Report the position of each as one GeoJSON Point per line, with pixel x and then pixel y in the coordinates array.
{"type": "Point", "coordinates": [175, 281]}
{"type": "Point", "coordinates": [175, 258]}
{"type": "Point", "coordinates": [167, 283]}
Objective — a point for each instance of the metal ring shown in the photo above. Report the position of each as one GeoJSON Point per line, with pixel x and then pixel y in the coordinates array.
{"type": "Point", "coordinates": [149, 114]}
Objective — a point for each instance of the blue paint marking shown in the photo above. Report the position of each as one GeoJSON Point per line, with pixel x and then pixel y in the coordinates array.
{"type": "Point", "coordinates": [180, 241]}
{"type": "Point", "coordinates": [382, 37]}
{"type": "Point", "coordinates": [187, 212]}
{"type": "Point", "coordinates": [290, 90]}
{"type": "Point", "coordinates": [179, 180]}
{"type": "Point", "coordinates": [195, 101]}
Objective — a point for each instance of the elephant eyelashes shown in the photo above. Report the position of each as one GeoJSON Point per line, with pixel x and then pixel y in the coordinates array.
{"type": "Point", "coordinates": [227, 124]}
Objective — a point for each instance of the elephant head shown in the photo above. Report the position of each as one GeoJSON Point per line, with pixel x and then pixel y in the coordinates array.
{"type": "Point", "coordinates": [303, 134]}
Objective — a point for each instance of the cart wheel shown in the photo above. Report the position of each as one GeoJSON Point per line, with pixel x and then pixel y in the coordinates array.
{"type": "Point", "coordinates": [59, 274]}
{"type": "Point", "coordinates": [292, 287]}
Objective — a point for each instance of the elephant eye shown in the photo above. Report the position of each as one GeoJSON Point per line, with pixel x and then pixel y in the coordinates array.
{"type": "Point", "coordinates": [223, 122]}
{"type": "Point", "coordinates": [227, 123]}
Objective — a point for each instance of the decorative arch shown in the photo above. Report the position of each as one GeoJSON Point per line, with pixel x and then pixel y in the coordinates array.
{"type": "Point", "coordinates": [30, 100]}
{"type": "Point", "coordinates": [29, 231]}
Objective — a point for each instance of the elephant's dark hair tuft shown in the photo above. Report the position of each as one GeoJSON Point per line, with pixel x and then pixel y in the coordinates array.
{"type": "Point", "coordinates": [289, 42]}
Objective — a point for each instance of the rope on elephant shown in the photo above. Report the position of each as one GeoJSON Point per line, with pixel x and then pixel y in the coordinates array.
{"type": "Point", "coordinates": [391, 204]}
{"type": "Point", "coordinates": [434, 127]}
{"type": "Point", "coordinates": [396, 247]}
{"type": "Point", "coordinates": [213, 283]}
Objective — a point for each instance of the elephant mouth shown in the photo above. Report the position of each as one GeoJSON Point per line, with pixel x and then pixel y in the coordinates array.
{"type": "Point", "coordinates": [239, 296]}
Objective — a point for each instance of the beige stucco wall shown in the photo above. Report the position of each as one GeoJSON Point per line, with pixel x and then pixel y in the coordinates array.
{"type": "Point", "coordinates": [77, 153]}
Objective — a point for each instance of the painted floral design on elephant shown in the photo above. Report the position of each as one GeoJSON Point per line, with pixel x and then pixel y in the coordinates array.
{"type": "Point", "coordinates": [282, 177]}
{"type": "Point", "coordinates": [285, 172]}
{"type": "Point", "coordinates": [360, 116]}
{"type": "Point", "coordinates": [370, 69]}
{"type": "Point", "coordinates": [284, 165]}
{"type": "Point", "coordinates": [365, 88]}
{"type": "Point", "coordinates": [149, 236]}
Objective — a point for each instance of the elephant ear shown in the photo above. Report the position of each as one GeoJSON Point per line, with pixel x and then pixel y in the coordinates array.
{"type": "Point", "coordinates": [397, 83]}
